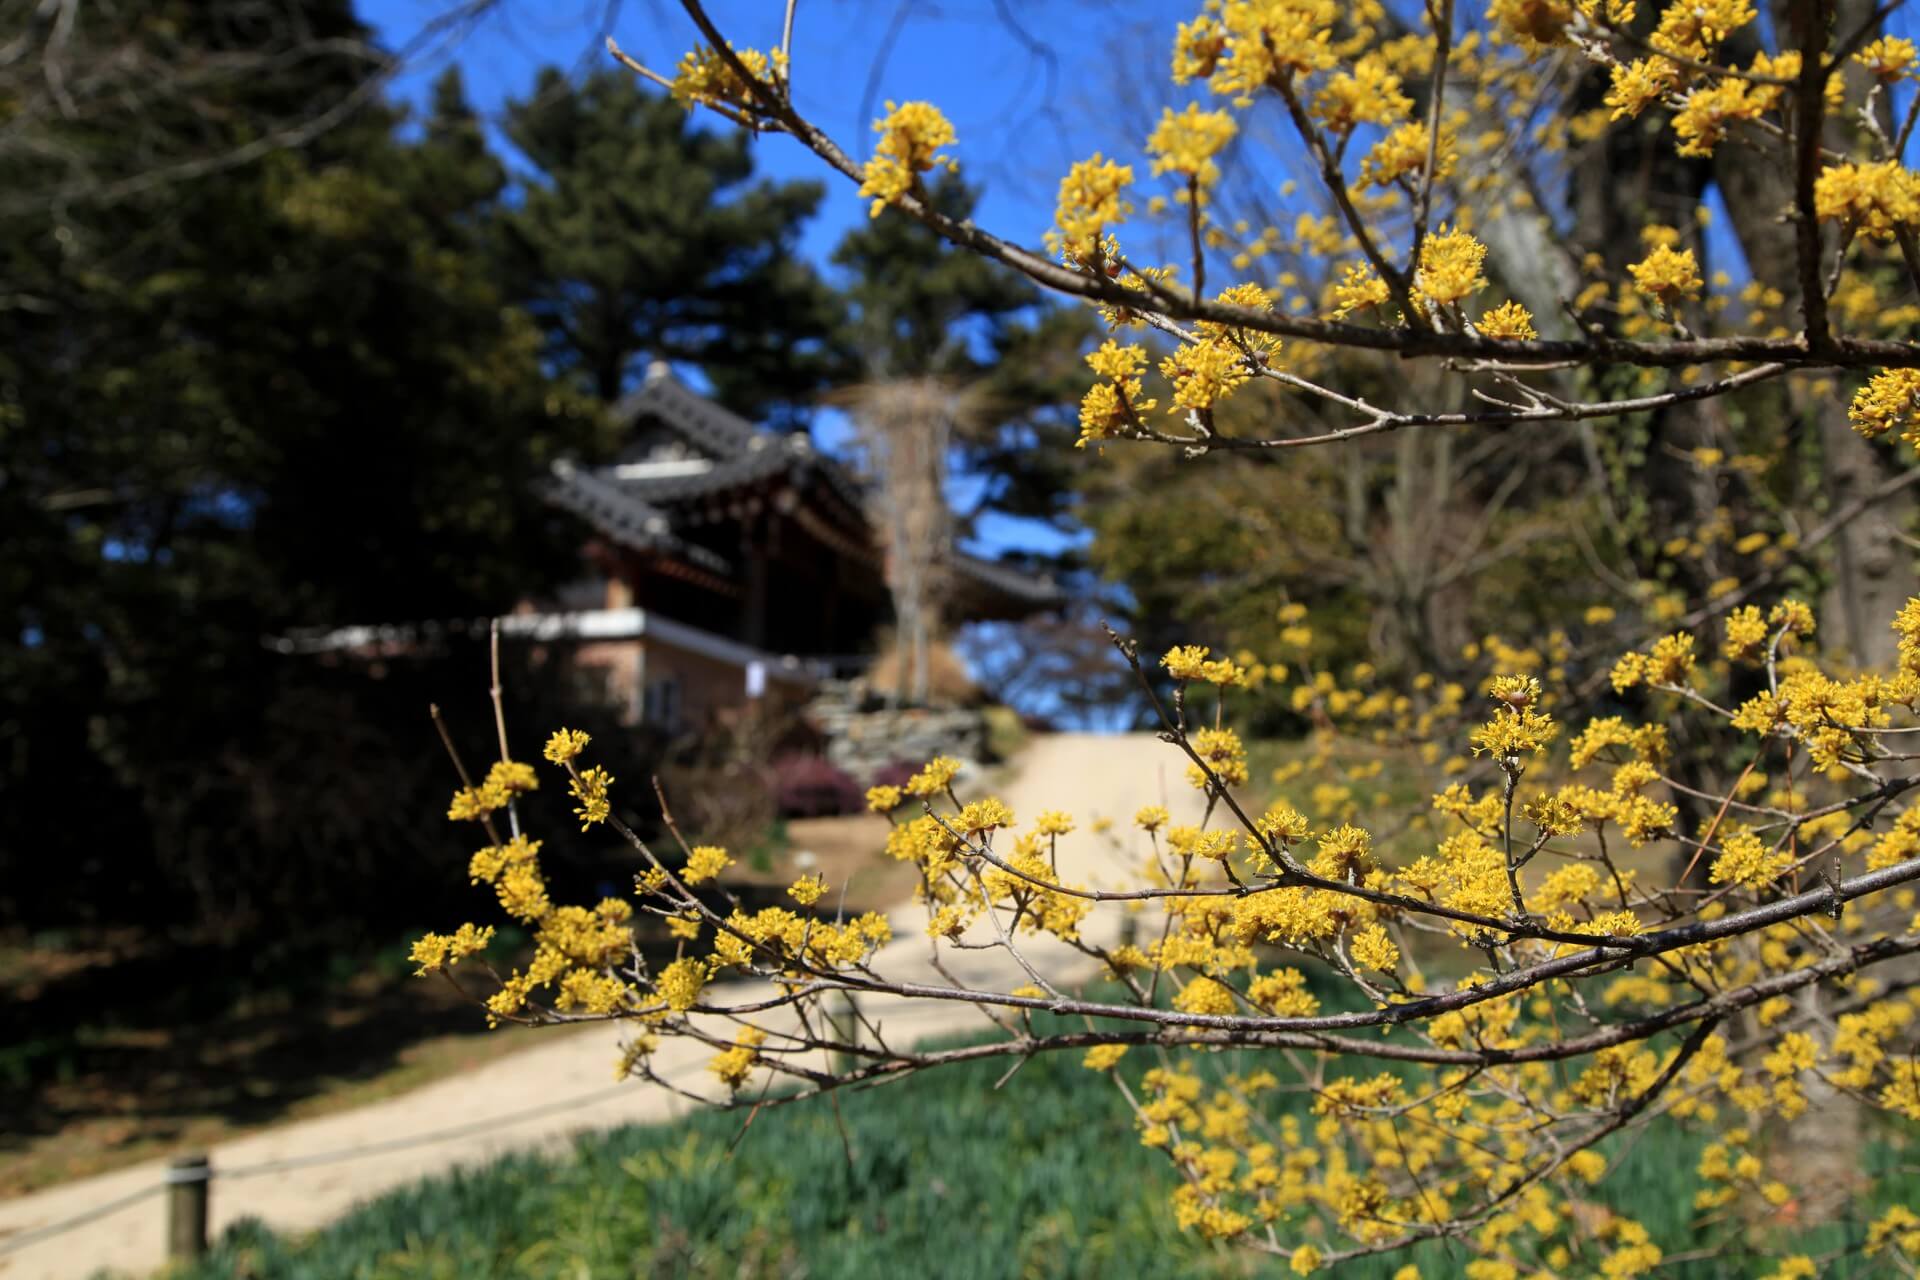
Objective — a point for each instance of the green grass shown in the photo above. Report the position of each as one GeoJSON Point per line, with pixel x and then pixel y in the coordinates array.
{"type": "Point", "coordinates": [1006, 732]}
{"type": "Point", "coordinates": [946, 1177]}
{"type": "Point", "coordinates": [1391, 786]}
{"type": "Point", "coordinates": [771, 844]}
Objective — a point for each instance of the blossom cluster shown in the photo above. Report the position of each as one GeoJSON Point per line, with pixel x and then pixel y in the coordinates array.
{"type": "Point", "coordinates": [1652, 887]}
{"type": "Point", "coordinates": [1258, 921]}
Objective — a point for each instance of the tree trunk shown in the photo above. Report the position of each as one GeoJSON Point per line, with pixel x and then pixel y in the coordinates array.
{"type": "Point", "coordinates": [1871, 573]}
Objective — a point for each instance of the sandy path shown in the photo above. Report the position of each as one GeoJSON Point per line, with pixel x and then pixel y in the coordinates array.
{"type": "Point", "coordinates": [1089, 776]}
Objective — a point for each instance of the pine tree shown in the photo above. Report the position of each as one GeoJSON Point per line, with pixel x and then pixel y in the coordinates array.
{"type": "Point", "coordinates": [644, 238]}
{"type": "Point", "coordinates": [278, 395]}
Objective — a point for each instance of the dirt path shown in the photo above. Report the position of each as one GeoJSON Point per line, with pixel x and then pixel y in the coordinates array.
{"type": "Point", "coordinates": [545, 1096]}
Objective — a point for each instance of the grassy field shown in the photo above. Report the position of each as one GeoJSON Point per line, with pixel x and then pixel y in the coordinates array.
{"type": "Point", "coordinates": [938, 1176]}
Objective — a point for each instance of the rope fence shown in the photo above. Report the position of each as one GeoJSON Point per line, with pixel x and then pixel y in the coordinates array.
{"type": "Point", "coordinates": [188, 1180]}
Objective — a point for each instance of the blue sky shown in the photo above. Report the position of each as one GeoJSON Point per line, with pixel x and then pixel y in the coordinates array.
{"type": "Point", "coordinates": [1022, 115]}
{"type": "Point", "coordinates": [1022, 83]}
{"type": "Point", "coordinates": [1029, 85]}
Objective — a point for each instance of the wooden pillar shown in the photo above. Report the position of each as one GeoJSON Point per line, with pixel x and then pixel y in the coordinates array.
{"type": "Point", "coordinates": [844, 1024]}
{"type": "Point", "coordinates": [753, 551]}
{"type": "Point", "coordinates": [830, 613]}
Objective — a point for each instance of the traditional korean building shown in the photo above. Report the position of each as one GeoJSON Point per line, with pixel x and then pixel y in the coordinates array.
{"type": "Point", "coordinates": [724, 563]}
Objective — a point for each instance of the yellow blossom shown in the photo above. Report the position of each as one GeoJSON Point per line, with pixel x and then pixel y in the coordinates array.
{"type": "Point", "coordinates": [1052, 822]}
{"type": "Point", "coordinates": [1889, 58]}
{"type": "Point", "coordinates": [1110, 406]}
{"type": "Point", "coordinates": [911, 135]}
{"type": "Point", "coordinates": [438, 950]}
{"type": "Point", "coordinates": [1639, 84]}
{"type": "Point", "coordinates": [1366, 93]}
{"type": "Point", "coordinates": [565, 744]}
{"type": "Point", "coordinates": [1898, 1226]}
{"type": "Point", "coordinates": [1204, 996]}
{"type": "Point", "coordinates": [680, 983]}
{"type": "Point", "coordinates": [1694, 28]}
{"type": "Point", "coordinates": [511, 778]}
{"type": "Point", "coordinates": [1669, 663]}
{"type": "Point", "coordinates": [1703, 119]}
{"type": "Point", "coordinates": [1186, 143]}
{"type": "Point", "coordinates": [1197, 48]}
{"type": "Point", "coordinates": [1372, 949]}
{"type": "Point", "coordinates": [1890, 399]}
{"type": "Point", "coordinates": [983, 815]}
{"type": "Point", "coordinates": [1260, 42]}
{"type": "Point", "coordinates": [1090, 202]}
{"type": "Point", "coordinates": [1283, 823]}
{"type": "Point", "coordinates": [1535, 23]}
{"type": "Point", "coordinates": [1204, 373]}
{"type": "Point", "coordinates": [1792, 615]}
{"type": "Point", "coordinates": [1509, 321]}
{"type": "Point", "coordinates": [1450, 264]}
{"type": "Point", "coordinates": [1746, 861]}
{"type": "Point", "coordinates": [522, 892]}
{"type": "Point", "coordinates": [734, 1065]}
{"type": "Point", "coordinates": [1746, 634]}
{"type": "Point", "coordinates": [1359, 290]}
{"type": "Point", "coordinates": [1518, 727]}
{"type": "Point", "coordinates": [1874, 200]}
{"type": "Point", "coordinates": [704, 863]}
{"type": "Point", "coordinates": [935, 777]}
{"type": "Point", "coordinates": [590, 787]}
{"type": "Point", "coordinates": [1224, 756]}
{"type": "Point", "coordinates": [1587, 1165]}
{"type": "Point", "coordinates": [509, 999]}
{"type": "Point", "coordinates": [470, 804]}
{"type": "Point", "coordinates": [1185, 662]}
{"type": "Point", "coordinates": [1667, 274]}
{"type": "Point", "coordinates": [488, 864]}
{"type": "Point", "coordinates": [704, 76]}
{"type": "Point", "coordinates": [1401, 156]}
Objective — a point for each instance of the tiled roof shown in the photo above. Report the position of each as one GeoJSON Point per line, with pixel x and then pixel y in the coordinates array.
{"type": "Point", "coordinates": [742, 454]}
{"type": "Point", "coordinates": [632, 502]}
{"type": "Point", "coordinates": [623, 516]}
{"type": "Point", "coordinates": [767, 456]}
{"type": "Point", "coordinates": [1008, 579]}
{"type": "Point", "coordinates": [700, 421]}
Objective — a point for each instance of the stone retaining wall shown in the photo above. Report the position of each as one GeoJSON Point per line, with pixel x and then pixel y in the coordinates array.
{"type": "Point", "coordinates": [864, 738]}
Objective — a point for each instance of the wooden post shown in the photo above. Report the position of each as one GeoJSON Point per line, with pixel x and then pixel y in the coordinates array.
{"type": "Point", "coordinates": [845, 1022]}
{"type": "Point", "coordinates": [188, 1181]}
{"type": "Point", "coordinates": [1129, 929]}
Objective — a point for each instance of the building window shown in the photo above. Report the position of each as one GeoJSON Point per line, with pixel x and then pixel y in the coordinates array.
{"type": "Point", "coordinates": [661, 707]}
